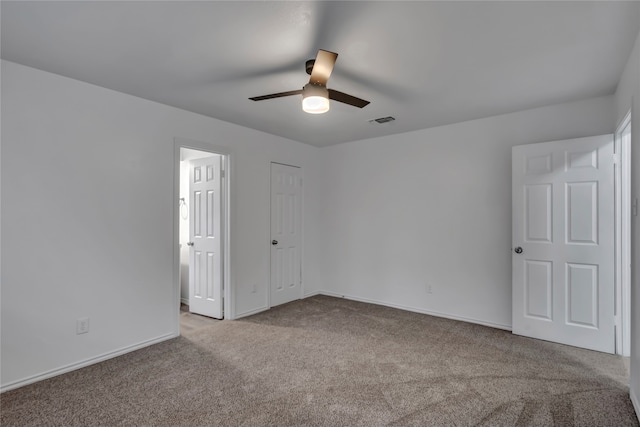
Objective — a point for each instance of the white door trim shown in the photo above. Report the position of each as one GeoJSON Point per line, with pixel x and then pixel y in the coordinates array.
{"type": "Point", "coordinates": [623, 238]}
{"type": "Point", "coordinates": [229, 209]}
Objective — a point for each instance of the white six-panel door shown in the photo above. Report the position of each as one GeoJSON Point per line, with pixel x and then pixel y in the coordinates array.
{"type": "Point", "coordinates": [563, 241]}
{"type": "Point", "coordinates": [286, 239]}
{"type": "Point", "coordinates": [205, 266]}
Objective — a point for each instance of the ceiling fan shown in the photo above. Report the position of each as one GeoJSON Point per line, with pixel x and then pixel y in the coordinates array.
{"type": "Point", "coordinates": [315, 95]}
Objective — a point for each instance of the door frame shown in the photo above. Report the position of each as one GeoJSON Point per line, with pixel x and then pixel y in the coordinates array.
{"type": "Point", "coordinates": [228, 208]}
{"type": "Point", "coordinates": [622, 184]}
{"type": "Point", "coordinates": [268, 243]}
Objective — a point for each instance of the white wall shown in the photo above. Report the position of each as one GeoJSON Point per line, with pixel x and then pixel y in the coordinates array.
{"type": "Point", "coordinates": [628, 97]}
{"type": "Point", "coordinates": [433, 208]}
{"type": "Point", "coordinates": [88, 219]}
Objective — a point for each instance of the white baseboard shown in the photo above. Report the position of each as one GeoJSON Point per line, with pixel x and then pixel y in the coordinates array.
{"type": "Point", "coordinates": [311, 294]}
{"type": "Point", "coordinates": [250, 312]}
{"type": "Point", "coordinates": [84, 363]}
{"type": "Point", "coordinates": [636, 403]}
{"type": "Point", "coordinates": [184, 301]}
{"type": "Point", "coordinates": [419, 310]}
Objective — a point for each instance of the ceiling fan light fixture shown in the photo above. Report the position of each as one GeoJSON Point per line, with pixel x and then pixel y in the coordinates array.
{"type": "Point", "coordinates": [315, 98]}
{"type": "Point", "coordinates": [315, 95]}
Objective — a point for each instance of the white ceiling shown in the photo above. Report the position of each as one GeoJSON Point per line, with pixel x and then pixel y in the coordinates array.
{"type": "Point", "coordinates": [425, 63]}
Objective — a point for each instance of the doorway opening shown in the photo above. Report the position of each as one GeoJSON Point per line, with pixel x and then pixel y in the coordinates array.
{"type": "Point", "coordinates": [201, 233]}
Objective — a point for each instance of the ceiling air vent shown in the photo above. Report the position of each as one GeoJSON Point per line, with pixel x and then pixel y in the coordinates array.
{"type": "Point", "coordinates": [382, 120]}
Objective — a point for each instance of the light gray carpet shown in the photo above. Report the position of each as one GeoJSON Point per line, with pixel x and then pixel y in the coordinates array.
{"type": "Point", "coordinates": [331, 362]}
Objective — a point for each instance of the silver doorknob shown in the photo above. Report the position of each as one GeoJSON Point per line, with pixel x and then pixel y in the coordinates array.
{"type": "Point", "coordinates": [518, 250]}
{"type": "Point", "coordinates": [189, 243]}
{"type": "Point", "coordinates": [274, 242]}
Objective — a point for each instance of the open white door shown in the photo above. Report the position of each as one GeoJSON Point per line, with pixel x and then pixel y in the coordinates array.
{"type": "Point", "coordinates": [205, 240]}
{"type": "Point", "coordinates": [563, 241]}
{"type": "Point", "coordinates": [286, 239]}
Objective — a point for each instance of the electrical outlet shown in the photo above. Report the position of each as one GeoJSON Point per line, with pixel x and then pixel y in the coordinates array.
{"type": "Point", "coordinates": [82, 325]}
{"type": "Point", "coordinates": [254, 289]}
{"type": "Point", "coordinates": [429, 290]}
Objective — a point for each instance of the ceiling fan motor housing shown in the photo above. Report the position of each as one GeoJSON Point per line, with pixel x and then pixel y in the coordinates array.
{"type": "Point", "coordinates": [309, 66]}
{"type": "Point", "coordinates": [315, 89]}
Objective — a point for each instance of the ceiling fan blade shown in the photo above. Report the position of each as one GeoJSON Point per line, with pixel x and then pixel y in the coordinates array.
{"type": "Point", "coordinates": [347, 99]}
{"type": "Point", "coordinates": [323, 67]}
{"type": "Point", "coordinates": [276, 95]}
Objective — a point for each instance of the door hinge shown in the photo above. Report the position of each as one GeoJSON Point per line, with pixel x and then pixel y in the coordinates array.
{"type": "Point", "coordinates": [616, 158]}
{"type": "Point", "coordinates": [222, 173]}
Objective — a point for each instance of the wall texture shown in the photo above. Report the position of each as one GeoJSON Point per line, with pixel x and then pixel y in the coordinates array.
{"type": "Point", "coordinates": [628, 97]}
{"type": "Point", "coordinates": [422, 220]}
{"type": "Point", "coordinates": [88, 219]}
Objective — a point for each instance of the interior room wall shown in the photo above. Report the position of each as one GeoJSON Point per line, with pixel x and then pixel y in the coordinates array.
{"type": "Point", "coordinates": [627, 98]}
{"type": "Point", "coordinates": [88, 219]}
{"type": "Point", "coordinates": [422, 220]}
